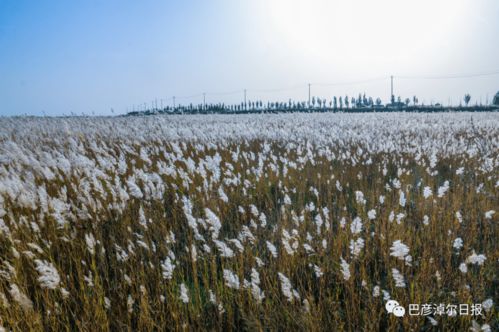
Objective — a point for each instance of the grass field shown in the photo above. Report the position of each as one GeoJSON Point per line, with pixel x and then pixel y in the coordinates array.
{"type": "Point", "coordinates": [251, 222]}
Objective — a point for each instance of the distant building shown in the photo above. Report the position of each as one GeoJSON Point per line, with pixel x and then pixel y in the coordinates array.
{"type": "Point", "coordinates": [496, 99]}
{"type": "Point", "coordinates": [396, 104]}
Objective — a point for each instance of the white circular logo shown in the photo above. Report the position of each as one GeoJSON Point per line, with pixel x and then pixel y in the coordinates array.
{"type": "Point", "coordinates": [390, 305]}
{"type": "Point", "coordinates": [399, 311]}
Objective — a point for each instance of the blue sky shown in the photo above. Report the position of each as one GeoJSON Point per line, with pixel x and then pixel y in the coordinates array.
{"type": "Point", "coordinates": [58, 57]}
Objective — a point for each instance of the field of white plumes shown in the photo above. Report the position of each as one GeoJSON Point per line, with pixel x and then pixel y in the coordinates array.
{"type": "Point", "coordinates": [248, 222]}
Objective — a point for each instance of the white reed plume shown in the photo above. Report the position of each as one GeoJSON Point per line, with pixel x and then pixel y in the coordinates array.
{"type": "Point", "coordinates": [49, 277]}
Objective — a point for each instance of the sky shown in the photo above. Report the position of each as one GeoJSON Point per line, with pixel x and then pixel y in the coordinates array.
{"type": "Point", "coordinates": [110, 57]}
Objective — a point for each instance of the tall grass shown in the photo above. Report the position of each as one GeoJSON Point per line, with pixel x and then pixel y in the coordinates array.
{"type": "Point", "coordinates": [124, 253]}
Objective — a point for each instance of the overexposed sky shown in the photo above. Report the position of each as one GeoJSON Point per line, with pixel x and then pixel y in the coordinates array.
{"type": "Point", "coordinates": [61, 57]}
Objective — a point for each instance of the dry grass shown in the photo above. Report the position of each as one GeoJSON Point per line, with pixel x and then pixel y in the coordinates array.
{"type": "Point", "coordinates": [106, 293]}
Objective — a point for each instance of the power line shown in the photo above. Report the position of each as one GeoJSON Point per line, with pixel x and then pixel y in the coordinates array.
{"type": "Point", "coordinates": [295, 87]}
{"type": "Point", "coordinates": [190, 96]}
{"type": "Point", "coordinates": [450, 76]}
{"type": "Point", "coordinates": [224, 93]}
{"type": "Point", "coordinates": [352, 82]}
{"type": "Point", "coordinates": [344, 83]}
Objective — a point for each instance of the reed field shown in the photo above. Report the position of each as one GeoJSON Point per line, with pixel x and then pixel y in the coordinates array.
{"type": "Point", "coordinates": [275, 222]}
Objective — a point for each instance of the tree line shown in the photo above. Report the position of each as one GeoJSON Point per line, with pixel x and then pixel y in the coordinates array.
{"type": "Point", "coordinates": [361, 103]}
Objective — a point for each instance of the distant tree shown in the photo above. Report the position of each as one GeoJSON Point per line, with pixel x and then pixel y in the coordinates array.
{"type": "Point", "coordinates": [335, 102]}
{"type": "Point", "coordinates": [407, 101]}
{"type": "Point", "coordinates": [341, 103]}
{"type": "Point", "coordinates": [415, 100]}
{"type": "Point", "coordinates": [467, 99]}
{"type": "Point", "coordinates": [378, 101]}
{"type": "Point", "coordinates": [495, 101]}
{"type": "Point", "coordinates": [399, 99]}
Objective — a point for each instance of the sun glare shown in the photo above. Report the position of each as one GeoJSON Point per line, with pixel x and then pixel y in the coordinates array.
{"type": "Point", "coordinates": [378, 30]}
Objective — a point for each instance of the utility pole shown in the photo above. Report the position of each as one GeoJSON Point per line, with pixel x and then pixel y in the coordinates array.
{"type": "Point", "coordinates": [392, 96]}
{"type": "Point", "coordinates": [309, 94]}
{"type": "Point", "coordinates": [245, 99]}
